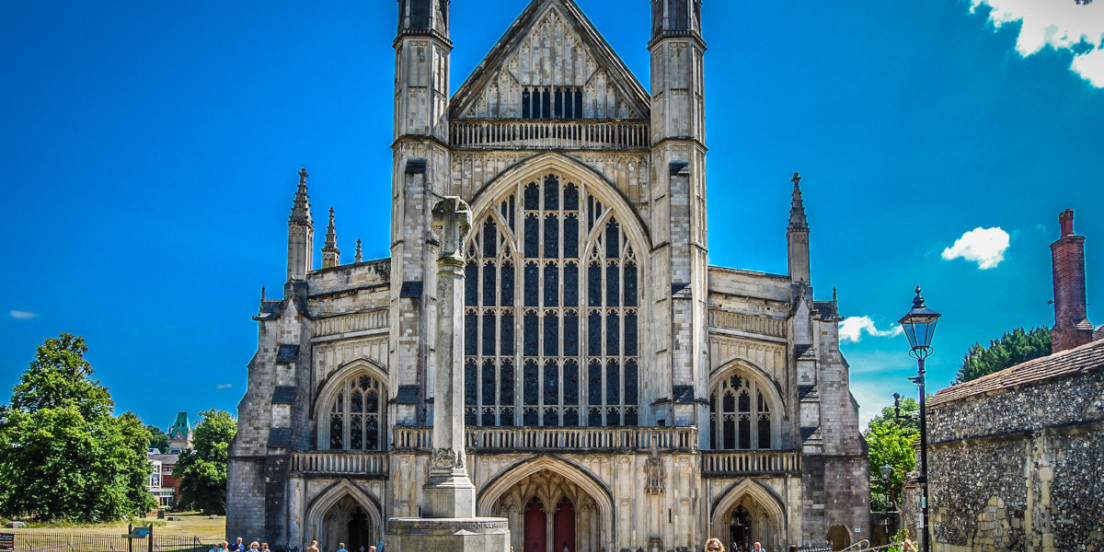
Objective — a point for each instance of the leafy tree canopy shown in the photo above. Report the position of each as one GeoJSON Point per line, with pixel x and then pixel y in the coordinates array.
{"type": "Point", "coordinates": [910, 409]}
{"type": "Point", "coordinates": [889, 444]}
{"type": "Point", "coordinates": [203, 471]}
{"type": "Point", "coordinates": [1011, 349]}
{"type": "Point", "coordinates": [63, 456]}
{"type": "Point", "coordinates": [158, 439]}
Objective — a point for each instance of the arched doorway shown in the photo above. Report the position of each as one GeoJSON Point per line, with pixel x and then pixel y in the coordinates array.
{"type": "Point", "coordinates": [347, 522]}
{"type": "Point", "coordinates": [839, 537]}
{"type": "Point", "coordinates": [574, 522]}
{"type": "Point", "coordinates": [739, 531]}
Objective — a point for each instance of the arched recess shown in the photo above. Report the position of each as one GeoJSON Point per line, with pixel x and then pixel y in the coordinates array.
{"type": "Point", "coordinates": [763, 383]}
{"type": "Point", "coordinates": [331, 496]}
{"type": "Point", "coordinates": [497, 487]}
{"type": "Point", "coordinates": [334, 385]}
{"type": "Point", "coordinates": [553, 162]}
{"type": "Point", "coordinates": [765, 505]}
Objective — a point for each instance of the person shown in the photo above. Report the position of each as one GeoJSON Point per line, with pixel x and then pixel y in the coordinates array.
{"type": "Point", "coordinates": [313, 547]}
{"type": "Point", "coordinates": [757, 547]}
{"type": "Point", "coordinates": [714, 545]}
{"type": "Point", "coordinates": [237, 546]}
{"type": "Point", "coordinates": [254, 546]}
{"type": "Point", "coordinates": [214, 548]}
{"type": "Point", "coordinates": [371, 549]}
{"type": "Point", "coordinates": [224, 546]}
{"type": "Point", "coordinates": [341, 547]}
{"type": "Point", "coordinates": [793, 548]}
{"type": "Point", "coordinates": [908, 546]}
{"type": "Point", "coordinates": [264, 547]}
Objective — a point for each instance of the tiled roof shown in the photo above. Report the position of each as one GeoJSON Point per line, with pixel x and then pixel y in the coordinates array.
{"type": "Point", "coordinates": [1087, 357]}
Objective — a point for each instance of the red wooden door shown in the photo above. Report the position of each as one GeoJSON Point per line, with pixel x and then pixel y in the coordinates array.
{"type": "Point", "coordinates": [535, 526]}
{"type": "Point", "coordinates": [563, 529]}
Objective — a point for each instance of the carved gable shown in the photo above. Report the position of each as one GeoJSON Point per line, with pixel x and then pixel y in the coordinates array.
{"type": "Point", "coordinates": [551, 64]}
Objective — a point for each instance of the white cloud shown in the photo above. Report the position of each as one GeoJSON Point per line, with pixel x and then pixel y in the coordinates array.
{"type": "Point", "coordinates": [23, 315]}
{"type": "Point", "coordinates": [224, 386]}
{"type": "Point", "coordinates": [986, 246]}
{"type": "Point", "coordinates": [852, 328]}
{"type": "Point", "coordinates": [1060, 24]}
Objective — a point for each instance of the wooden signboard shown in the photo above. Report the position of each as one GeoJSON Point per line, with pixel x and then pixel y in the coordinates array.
{"type": "Point", "coordinates": [7, 541]}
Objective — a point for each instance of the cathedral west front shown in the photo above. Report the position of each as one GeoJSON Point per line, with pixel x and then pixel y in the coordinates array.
{"type": "Point", "coordinates": [620, 393]}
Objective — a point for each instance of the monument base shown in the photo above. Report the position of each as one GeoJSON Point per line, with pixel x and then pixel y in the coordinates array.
{"type": "Point", "coordinates": [479, 534]}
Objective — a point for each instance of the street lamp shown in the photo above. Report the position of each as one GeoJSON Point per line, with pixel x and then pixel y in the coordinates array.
{"type": "Point", "coordinates": [887, 471]}
{"type": "Point", "coordinates": [919, 327]}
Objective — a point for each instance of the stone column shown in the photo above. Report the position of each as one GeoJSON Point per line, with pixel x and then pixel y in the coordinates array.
{"type": "Point", "coordinates": [448, 492]}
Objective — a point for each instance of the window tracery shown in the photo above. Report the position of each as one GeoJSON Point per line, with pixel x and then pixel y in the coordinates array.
{"type": "Point", "coordinates": [356, 414]}
{"type": "Point", "coordinates": [561, 347]}
{"type": "Point", "coordinates": [740, 416]}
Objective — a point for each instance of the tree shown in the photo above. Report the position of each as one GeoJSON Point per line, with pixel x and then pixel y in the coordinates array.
{"type": "Point", "coordinates": [158, 439]}
{"type": "Point", "coordinates": [63, 456]}
{"type": "Point", "coordinates": [203, 470]}
{"type": "Point", "coordinates": [1011, 349]}
{"type": "Point", "coordinates": [910, 420]}
{"type": "Point", "coordinates": [889, 444]}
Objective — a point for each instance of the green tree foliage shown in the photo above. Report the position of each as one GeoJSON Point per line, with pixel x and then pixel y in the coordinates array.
{"type": "Point", "coordinates": [203, 471]}
{"type": "Point", "coordinates": [889, 444]}
{"type": "Point", "coordinates": [63, 456]}
{"type": "Point", "coordinates": [910, 420]}
{"type": "Point", "coordinates": [158, 439]}
{"type": "Point", "coordinates": [1011, 349]}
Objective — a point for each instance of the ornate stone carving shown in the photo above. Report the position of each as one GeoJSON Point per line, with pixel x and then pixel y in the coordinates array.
{"type": "Point", "coordinates": [448, 459]}
{"type": "Point", "coordinates": [654, 475]}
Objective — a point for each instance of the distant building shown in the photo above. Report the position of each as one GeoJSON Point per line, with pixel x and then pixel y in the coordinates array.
{"type": "Point", "coordinates": [180, 434]}
{"type": "Point", "coordinates": [1015, 456]}
{"type": "Point", "coordinates": [164, 485]}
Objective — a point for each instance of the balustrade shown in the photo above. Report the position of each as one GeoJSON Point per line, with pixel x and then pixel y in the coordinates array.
{"type": "Point", "coordinates": [559, 438]}
{"type": "Point", "coordinates": [340, 462]}
{"type": "Point", "coordinates": [550, 134]}
{"type": "Point", "coordinates": [744, 463]}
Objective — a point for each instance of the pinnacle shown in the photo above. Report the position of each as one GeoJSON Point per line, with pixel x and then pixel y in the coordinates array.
{"type": "Point", "coordinates": [300, 209]}
{"type": "Point", "coordinates": [797, 207]}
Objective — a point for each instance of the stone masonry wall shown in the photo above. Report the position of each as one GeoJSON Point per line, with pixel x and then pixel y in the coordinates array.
{"type": "Point", "coordinates": [1020, 469]}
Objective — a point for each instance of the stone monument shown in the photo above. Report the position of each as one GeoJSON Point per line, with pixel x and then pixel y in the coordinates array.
{"type": "Point", "coordinates": [448, 521]}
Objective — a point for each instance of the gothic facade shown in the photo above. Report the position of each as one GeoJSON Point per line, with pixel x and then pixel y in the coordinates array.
{"type": "Point", "coordinates": [621, 394]}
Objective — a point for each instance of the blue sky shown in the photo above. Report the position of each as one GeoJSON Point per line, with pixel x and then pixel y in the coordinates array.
{"type": "Point", "coordinates": [150, 152]}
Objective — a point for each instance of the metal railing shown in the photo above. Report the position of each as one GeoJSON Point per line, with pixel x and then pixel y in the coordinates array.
{"type": "Point", "coordinates": [558, 438]}
{"type": "Point", "coordinates": [76, 541]}
{"type": "Point", "coordinates": [550, 134]}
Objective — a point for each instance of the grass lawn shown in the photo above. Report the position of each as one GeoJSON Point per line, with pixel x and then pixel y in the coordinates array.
{"type": "Point", "coordinates": [191, 524]}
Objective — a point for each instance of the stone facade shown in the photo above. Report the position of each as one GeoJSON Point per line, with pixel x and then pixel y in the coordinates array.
{"type": "Point", "coordinates": [620, 393]}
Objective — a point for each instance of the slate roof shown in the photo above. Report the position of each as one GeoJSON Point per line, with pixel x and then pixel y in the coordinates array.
{"type": "Point", "coordinates": [1089, 356]}
{"type": "Point", "coordinates": [280, 437]}
{"type": "Point", "coordinates": [287, 353]}
{"type": "Point", "coordinates": [283, 394]}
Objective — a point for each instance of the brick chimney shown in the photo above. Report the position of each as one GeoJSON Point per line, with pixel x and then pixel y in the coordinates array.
{"type": "Point", "coordinates": [1071, 326]}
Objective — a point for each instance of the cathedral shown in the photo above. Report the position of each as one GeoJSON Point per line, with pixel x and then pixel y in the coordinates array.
{"type": "Point", "coordinates": [621, 394]}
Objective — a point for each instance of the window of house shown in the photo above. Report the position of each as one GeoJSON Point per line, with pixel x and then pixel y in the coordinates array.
{"type": "Point", "coordinates": [551, 312]}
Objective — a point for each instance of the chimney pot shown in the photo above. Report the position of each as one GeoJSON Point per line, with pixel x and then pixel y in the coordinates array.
{"type": "Point", "coordinates": [1065, 219]}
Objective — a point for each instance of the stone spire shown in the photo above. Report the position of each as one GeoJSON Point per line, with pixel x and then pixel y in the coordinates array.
{"type": "Point", "coordinates": [300, 233]}
{"type": "Point", "coordinates": [300, 210]}
{"type": "Point", "coordinates": [797, 237]}
{"type": "Point", "coordinates": [359, 258]}
{"type": "Point", "coordinates": [331, 257]}
{"type": "Point", "coordinates": [797, 207]}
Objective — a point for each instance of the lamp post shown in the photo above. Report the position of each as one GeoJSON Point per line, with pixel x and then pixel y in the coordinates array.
{"type": "Point", "coordinates": [919, 326]}
{"type": "Point", "coordinates": [887, 470]}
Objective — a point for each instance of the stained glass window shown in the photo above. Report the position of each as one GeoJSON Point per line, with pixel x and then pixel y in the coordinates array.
{"type": "Point", "coordinates": [523, 293]}
{"type": "Point", "coordinates": [736, 421]}
{"type": "Point", "coordinates": [355, 415]}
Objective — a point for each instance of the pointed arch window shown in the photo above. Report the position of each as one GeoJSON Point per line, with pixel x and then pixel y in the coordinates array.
{"type": "Point", "coordinates": [572, 358]}
{"type": "Point", "coordinates": [356, 415]}
{"type": "Point", "coordinates": [741, 417]}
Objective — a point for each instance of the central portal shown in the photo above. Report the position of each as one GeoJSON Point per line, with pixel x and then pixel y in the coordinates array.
{"type": "Point", "coordinates": [550, 513]}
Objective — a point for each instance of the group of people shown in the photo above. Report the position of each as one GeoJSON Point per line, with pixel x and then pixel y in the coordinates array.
{"type": "Point", "coordinates": [715, 545]}
{"type": "Point", "coordinates": [239, 546]}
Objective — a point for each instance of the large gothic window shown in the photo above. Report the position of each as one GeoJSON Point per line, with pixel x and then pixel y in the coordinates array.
{"type": "Point", "coordinates": [740, 416]}
{"type": "Point", "coordinates": [355, 414]}
{"type": "Point", "coordinates": [551, 323]}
